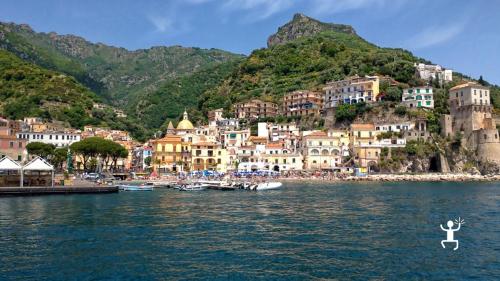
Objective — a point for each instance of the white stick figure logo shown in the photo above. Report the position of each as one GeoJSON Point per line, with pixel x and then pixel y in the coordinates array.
{"type": "Point", "coordinates": [450, 232]}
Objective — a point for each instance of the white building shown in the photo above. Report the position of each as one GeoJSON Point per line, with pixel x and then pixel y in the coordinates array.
{"type": "Point", "coordinates": [470, 93]}
{"type": "Point", "coordinates": [58, 139]}
{"type": "Point", "coordinates": [351, 90]}
{"type": "Point", "coordinates": [395, 127]}
{"type": "Point", "coordinates": [418, 97]}
{"type": "Point", "coordinates": [428, 71]}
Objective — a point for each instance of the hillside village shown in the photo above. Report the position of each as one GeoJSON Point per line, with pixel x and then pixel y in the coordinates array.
{"type": "Point", "coordinates": [259, 135]}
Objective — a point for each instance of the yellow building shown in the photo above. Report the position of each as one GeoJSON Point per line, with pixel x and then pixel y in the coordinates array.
{"type": "Point", "coordinates": [284, 162]}
{"type": "Point", "coordinates": [351, 90]}
{"type": "Point", "coordinates": [185, 126]}
{"type": "Point", "coordinates": [363, 134]}
{"type": "Point", "coordinates": [365, 144]}
{"type": "Point", "coordinates": [321, 152]}
{"type": "Point", "coordinates": [209, 156]}
{"type": "Point", "coordinates": [367, 156]}
{"type": "Point", "coordinates": [171, 154]}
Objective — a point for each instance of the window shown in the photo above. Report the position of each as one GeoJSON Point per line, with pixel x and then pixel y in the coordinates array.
{"type": "Point", "coordinates": [11, 144]}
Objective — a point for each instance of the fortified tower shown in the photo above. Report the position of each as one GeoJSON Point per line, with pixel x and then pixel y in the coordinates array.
{"type": "Point", "coordinates": [470, 114]}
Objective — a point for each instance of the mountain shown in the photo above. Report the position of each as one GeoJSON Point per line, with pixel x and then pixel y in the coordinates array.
{"type": "Point", "coordinates": [303, 26]}
{"type": "Point", "coordinates": [116, 74]}
{"type": "Point", "coordinates": [169, 101]}
{"type": "Point", "coordinates": [27, 90]}
{"type": "Point", "coordinates": [305, 54]}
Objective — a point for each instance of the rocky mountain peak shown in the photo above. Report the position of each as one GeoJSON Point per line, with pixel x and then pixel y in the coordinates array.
{"type": "Point", "coordinates": [303, 26]}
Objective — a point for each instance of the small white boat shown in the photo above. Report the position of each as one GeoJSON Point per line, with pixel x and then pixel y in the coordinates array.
{"type": "Point", "coordinates": [136, 187]}
{"type": "Point", "coordinates": [267, 185]}
{"type": "Point", "coordinates": [193, 187]}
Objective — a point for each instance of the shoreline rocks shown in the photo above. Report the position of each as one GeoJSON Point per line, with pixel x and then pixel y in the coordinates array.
{"type": "Point", "coordinates": [400, 178]}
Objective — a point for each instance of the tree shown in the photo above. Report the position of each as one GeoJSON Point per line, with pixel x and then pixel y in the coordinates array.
{"type": "Point", "coordinates": [117, 151]}
{"type": "Point", "coordinates": [345, 112]}
{"type": "Point", "coordinates": [482, 81]}
{"type": "Point", "coordinates": [41, 149]}
{"type": "Point", "coordinates": [58, 157]}
{"type": "Point", "coordinates": [87, 149]}
{"type": "Point", "coordinates": [393, 94]}
{"type": "Point", "coordinates": [147, 161]}
{"type": "Point", "coordinates": [400, 110]}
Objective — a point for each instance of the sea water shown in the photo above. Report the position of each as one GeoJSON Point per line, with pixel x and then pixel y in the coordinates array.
{"type": "Point", "coordinates": [302, 231]}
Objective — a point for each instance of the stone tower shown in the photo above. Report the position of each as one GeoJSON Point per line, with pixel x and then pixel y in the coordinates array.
{"type": "Point", "coordinates": [471, 115]}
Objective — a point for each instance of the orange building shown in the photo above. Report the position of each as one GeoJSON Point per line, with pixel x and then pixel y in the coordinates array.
{"type": "Point", "coordinates": [255, 109]}
{"type": "Point", "coordinates": [302, 103]}
{"type": "Point", "coordinates": [171, 154]}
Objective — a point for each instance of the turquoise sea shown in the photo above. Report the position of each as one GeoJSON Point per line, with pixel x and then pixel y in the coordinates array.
{"type": "Point", "coordinates": [372, 231]}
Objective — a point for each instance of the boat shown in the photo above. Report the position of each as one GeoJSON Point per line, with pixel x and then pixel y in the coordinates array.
{"type": "Point", "coordinates": [193, 187]}
{"type": "Point", "coordinates": [136, 187]}
{"type": "Point", "coordinates": [267, 185]}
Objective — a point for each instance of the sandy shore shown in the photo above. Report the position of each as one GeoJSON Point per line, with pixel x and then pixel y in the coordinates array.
{"type": "Point", "coordinates": [399, 178]}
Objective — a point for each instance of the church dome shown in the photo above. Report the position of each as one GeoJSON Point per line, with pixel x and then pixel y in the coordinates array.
{"type": "Point", "coordinates": [185, 124]}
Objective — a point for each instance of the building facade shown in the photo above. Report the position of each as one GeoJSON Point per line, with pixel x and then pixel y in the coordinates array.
{"type": "Point", "coordinates": [171, 154]}
{"type": "Point", "coordinates": [302, 103]}
{"type": "Point", "coordinates": [321, 152]}
{"type": "Point", "coordinates": [419, 97]}
{"type": "Point", "coordinates": [351, 90]}
{"type": "Point", "coordinates": [429, 71]}
{"type": "Point", "coordinates": [208, 156]}
{"type": "Point", "coordinates": [255, 109]}
{"type": "Point", "coordinates": [58, 139]}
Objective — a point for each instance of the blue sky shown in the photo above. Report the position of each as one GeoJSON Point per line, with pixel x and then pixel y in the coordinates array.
{"type": "Point", "coordinates": [458, 34]}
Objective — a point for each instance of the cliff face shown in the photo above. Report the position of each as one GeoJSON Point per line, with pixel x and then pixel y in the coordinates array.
{"type": "Point", "coordinates": [303, 26]}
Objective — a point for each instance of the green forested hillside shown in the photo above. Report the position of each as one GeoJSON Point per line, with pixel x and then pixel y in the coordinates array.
{"type": "Point", "coordinates": [169, 101]}
{"type": "Point", "coordinates": [117, 74]}
{"type": "Point", "coordinates": [28, 90]}
{"type": "Point", "coordinates": [307, 63]}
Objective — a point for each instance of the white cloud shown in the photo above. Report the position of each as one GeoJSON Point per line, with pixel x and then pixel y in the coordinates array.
{"type": "Point", "coordinates": [328, 7]}
{"type": "Point", "coordinates": [196, 2]}
{"type": "Point", "coordinates": [258, 9]}
{"type": "Point", "coordinates": [161, 24]}
{"type": "Point", "coordinates": [435, 35]}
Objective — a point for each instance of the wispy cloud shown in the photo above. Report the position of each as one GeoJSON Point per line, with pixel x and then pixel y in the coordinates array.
{"type": "Point", "coordinates": [258, 9]}
{"type": "Point", "coordinates": [161, 24]}
{"type": "Point", "coordinates": [328, 7]}
{"type": "Point", "coordinates": [196, 2]}
{"type": "Point", "coordinates": [435, 35]}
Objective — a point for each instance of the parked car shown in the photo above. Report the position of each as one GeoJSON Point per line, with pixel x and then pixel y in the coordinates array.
{"type": "Point", "coordinates": [91, 176]}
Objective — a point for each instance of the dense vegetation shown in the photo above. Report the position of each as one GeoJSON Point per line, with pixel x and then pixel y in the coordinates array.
{"type": "Point", "coordinates": [156, 85]}
{"type": "Point", "coordinates": [114, 73]}
{"type": "Point", "coordinates": [308, 63]}
{"type": "Point", "coordinates": [27, 90]}
{"type": "Point", "coordinates": [169, 101]}
{"type": "Point", "coordinates": [95, 147]}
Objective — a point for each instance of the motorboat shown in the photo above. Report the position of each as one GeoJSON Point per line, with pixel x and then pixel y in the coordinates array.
{"type": "Point", "coordinates": [267, 186]}
{"type": "Point", "coordinates": [136, 187]}
{"type": "Point", "coordinates": [193, 187]}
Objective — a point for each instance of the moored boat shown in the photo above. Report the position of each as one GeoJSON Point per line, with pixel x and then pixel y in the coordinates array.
{"type": "Point", "coordinates": [193, 187]}
{"type": "Point", "coordinates": [267, 185]}
{"type": "Point", "coordinates": [136, 187]}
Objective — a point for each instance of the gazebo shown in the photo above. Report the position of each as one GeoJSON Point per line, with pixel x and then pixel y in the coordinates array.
{"type": "Point", "coordinates": [38, 164]}
{"type": "Point", "coordinates": [8, 165]}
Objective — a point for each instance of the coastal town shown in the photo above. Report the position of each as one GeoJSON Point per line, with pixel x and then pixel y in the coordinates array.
{"type": "Point", "coordinates": [244, 141]}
